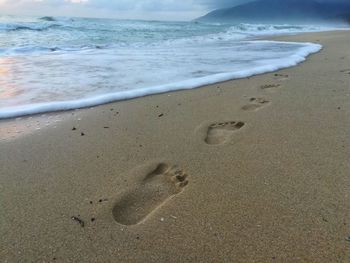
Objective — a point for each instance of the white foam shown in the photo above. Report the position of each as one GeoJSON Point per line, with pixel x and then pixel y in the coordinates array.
{"type": "Point", "coordinates": [262, 66]}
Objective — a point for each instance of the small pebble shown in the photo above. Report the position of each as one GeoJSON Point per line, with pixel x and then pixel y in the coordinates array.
{"type": "Point", "coordinates": [347, 238]}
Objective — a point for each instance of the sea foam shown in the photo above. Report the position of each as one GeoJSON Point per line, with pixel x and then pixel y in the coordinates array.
{"type": "Point", "coordinates": [267, 66]}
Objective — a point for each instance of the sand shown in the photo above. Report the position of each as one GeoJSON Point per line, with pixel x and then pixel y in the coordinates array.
{"type": "Point", "coordinates": [250, 170]}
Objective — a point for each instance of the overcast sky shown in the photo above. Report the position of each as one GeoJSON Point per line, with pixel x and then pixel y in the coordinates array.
{"type": "Point", "coordinates": [137, 9]}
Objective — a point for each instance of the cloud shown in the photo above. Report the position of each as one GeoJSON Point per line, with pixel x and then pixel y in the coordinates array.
{"type": "Point", "coordinates": [142, 9]}
{"type": "Point", "coordinates": [139, 9]}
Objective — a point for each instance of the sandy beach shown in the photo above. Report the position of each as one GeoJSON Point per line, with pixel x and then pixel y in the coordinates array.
{"type": "Point", "coordinates": [249, 170]}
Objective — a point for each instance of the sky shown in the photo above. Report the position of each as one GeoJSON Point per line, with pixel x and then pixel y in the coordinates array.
{"type": "Point", "coordinates": [120, 9]}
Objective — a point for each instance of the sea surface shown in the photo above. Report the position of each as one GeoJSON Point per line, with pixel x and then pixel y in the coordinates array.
{"type": "Point", "coordinates": [50, 64]}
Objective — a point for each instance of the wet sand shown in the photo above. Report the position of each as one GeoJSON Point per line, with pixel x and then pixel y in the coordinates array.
{"type": "Point", "coordinates": [250, 170]}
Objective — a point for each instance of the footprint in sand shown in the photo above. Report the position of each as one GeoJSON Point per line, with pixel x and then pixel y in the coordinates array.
{"type": "Point", "coordinates": [270, 86]}
{"type": "Point", "coordinates": [155, 189]}
{"type": "Point", "coordinates": [219, 133]}
{"type": "Point", "coordinates": [345, 71]}
{"type": "Point", "coordinates": [255, 104]}
{"type": "Point", "coordinates": [278, 76]}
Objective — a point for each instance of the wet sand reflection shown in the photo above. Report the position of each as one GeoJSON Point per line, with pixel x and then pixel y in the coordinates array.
{"type": "Point", "coordinates": [8, 89]}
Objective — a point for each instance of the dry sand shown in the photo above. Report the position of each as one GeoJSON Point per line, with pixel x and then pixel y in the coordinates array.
{"type": "Point", "coordinates": [251, 170]}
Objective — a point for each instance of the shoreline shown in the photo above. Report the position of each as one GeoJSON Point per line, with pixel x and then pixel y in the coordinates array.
{"type": "Point", "coordinates": [15, 126]}
{"type": "Point", "coordinates": [260, 166]}
{"type": "Point", "coordinates": [300, 53]}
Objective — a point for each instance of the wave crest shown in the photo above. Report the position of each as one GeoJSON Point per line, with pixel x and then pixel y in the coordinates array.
{"type": "Point", "coordinates": [273, 29]}
{"type": "Point", "coordinates": [47, 18]}
{"type": "Point", "coordinates": [24, 27]}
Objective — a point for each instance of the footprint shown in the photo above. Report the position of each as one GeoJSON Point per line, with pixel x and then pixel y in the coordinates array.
{"type": "Point", "coordinates": [155, 189]}
{"type": "Point", "coordinates": [270, 86]}
{"type": "Point", "coordinates": [219, 133]}
{"type": "Point", "coordinates": [255, 104]}
{"type": "Point", "coordinates": [345, 71]}
{"type": "Point", "coordinates": [281, 76]}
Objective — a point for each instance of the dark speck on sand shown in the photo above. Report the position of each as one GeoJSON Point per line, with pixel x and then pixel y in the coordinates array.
{"type": "Point", "coordinates": [77, 219]}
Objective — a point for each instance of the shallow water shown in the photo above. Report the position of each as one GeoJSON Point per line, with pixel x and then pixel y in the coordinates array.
{"type": "Point", "coordinates": [49, 64]}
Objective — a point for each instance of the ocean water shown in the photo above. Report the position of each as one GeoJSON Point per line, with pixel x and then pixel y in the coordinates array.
{"type": "Point", "coordinates": [50, 64]}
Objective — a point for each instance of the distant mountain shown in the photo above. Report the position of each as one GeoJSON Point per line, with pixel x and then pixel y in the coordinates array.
{"type": "Point", "coordinates": [343, 17]}
{"type": "Point", "coordinates": [280, 11]}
